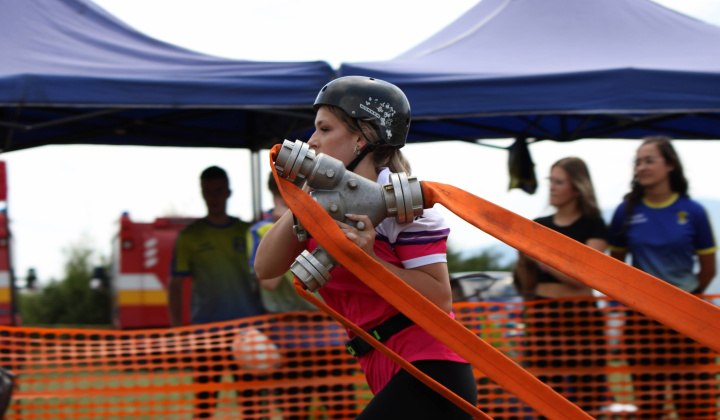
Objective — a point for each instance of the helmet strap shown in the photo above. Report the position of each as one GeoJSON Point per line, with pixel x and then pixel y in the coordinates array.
{"type": "Point", "coordinates": [364, 152]}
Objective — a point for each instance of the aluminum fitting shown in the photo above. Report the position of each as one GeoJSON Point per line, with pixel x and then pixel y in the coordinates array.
{"type": "Point", "coordinates": [313, 268]}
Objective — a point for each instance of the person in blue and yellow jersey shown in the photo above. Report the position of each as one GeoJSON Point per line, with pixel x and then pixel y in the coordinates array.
{"type": "Point", "coordinates": [660, 226]}
{"type": "Point", "coordinates": [664, 230]}
{"type": "Point", "coordinates": [278, 293]}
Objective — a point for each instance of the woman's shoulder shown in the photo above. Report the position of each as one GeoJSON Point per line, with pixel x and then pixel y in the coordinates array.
{"type": "Point", "coordinates": [544, 220]}
{"type": "Point", "coordinates": [593, 218]}
{"type": "Point", "coordinates": [622, 205]}
{"type": "Point", "coordinates": [687, 201]}
{"type": "Point", "coordinates": [430, 223]}
{"type": "Point", "coordinates": [691, 206]}
{"type": "Point", "coordinates": [383, 175]}
{"type": "Point", "coordinates": [620, 213]}
{"type": "Point", "coordinates": [596, 225]}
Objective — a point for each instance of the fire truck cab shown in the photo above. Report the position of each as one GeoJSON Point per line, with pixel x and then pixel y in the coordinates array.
{"type": "Point", "coordinates": [142, 253]}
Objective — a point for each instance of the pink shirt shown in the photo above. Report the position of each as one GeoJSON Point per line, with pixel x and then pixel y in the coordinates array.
{"type": "Point", "coordinates": [409, 246]}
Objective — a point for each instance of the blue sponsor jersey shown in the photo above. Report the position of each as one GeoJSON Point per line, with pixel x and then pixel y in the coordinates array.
{"type": "Point", "coordinates": [664, 238]}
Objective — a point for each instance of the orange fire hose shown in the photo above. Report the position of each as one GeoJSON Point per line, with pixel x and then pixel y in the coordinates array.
{"type": "Point", "coordinates": [649, 295]}
{"type": "Point", "coordinates": [425, 314]}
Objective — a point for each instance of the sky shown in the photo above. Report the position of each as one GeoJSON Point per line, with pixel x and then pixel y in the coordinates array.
{"type": "Point", "coordinates": [65, 196]}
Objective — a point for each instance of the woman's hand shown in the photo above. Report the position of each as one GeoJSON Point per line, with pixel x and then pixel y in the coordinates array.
{"type": "Point", "coordinates": [364, 238]}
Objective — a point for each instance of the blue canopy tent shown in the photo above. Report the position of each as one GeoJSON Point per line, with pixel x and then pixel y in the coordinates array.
{"type": "Point", "coordinates": [71, 73]}
{"type": "Point", "coordinates": [561, 70]}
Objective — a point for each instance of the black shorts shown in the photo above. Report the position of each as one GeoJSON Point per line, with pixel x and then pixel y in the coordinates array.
{"type": "Point", "coordinates": [405, 397]}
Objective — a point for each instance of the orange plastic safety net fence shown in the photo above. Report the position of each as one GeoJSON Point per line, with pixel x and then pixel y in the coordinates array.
{"type": "Point", "coordinates": [611, 361]}
{"type": "Point", "coordinates": [291, 365]}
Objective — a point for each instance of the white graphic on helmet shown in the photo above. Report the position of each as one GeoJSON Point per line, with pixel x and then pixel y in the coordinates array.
{"type": "Point", "coordinates": [384, 112]}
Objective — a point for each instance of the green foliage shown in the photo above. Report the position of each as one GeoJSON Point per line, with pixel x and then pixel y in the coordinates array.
{"type": "Point", "coordinates": [485, 260]}
{"type": "Point", "coordinates": [71, 300]}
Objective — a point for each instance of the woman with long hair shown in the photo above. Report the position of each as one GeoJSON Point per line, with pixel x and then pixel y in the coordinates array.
{"type": "Point", "coordinates": [578, 217]}
{"type": "Point", "coordinates": [666, 233]}
{"type": "Point", "coordinates": [566, 334]}
{"type": "Point", "coordinates": [659, 225]}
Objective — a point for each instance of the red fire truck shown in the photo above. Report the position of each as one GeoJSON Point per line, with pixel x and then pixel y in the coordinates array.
{"type": "Point", "coordinates": [8, 308]}
{"type": "Point", "coordinates": [142, 253]}
{"type": "Point", "coordinates": [8, 303]}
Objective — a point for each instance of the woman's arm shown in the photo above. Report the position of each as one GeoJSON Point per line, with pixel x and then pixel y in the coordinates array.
{"type": "Point", "coordinates": [271, 283]}
{"type": "Point", "coordinates": [432, 280]}
{"type": "Point", "coordinates": [526, 276]}
{"type": "Point", "coordinates": [278, 249]}
{"type": "Point", "coordinates": [707, 272]}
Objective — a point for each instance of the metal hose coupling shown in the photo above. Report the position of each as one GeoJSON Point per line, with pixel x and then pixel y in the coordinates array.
{"type": "Point", "coordinates": [340, 191]}
{"type": "Point", "coordinates": [313, 268]}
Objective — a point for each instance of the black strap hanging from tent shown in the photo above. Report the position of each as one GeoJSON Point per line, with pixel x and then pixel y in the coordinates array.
{"type": "Point", "coordinates": [521, 167]}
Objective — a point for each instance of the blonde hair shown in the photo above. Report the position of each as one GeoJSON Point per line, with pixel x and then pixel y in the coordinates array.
{"type": "Point", "coordinates": [579, 175]}
{"type": "Point", "coordinates": [384, 155]}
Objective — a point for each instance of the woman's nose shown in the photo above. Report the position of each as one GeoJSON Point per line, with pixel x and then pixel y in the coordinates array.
{"type": "Point", "coordinates": [313, 140]}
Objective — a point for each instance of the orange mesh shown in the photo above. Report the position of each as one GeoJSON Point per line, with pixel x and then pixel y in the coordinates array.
{"type": "Point", "coordinates": [604, 357]}
{"type": "Point", "coordinates": [304, 371]}
{"type": "Point", "coordinates": [289, 363]}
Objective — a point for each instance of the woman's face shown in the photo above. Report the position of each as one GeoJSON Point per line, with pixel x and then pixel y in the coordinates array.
{"type": "Point", "coordinates": [650, 166]}
{"type": "Point", "coordinates": [332, 137]}
{"type": "Point", "coordinates": [562, 190]}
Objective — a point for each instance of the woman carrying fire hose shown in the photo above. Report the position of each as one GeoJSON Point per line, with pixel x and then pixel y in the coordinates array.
{"type": "Point", "coordinates": [364, 122]}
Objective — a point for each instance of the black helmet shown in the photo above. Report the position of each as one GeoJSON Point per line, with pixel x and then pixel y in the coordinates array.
{"type": "Point", "coordinates": [365, 97]}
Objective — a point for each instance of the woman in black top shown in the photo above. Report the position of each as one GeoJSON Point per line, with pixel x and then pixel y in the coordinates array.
{"type": "Point", "coordinates": [564, 335]}
{"type": "Point", "coordinates": [578, 217]}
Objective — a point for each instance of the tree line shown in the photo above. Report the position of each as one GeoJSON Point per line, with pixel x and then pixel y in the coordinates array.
{"type": "Point", "coordinates": [72, 301]}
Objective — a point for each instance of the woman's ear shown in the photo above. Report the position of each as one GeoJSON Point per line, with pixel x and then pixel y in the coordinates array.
{"type": "Point", "coordinates": [361, 142]}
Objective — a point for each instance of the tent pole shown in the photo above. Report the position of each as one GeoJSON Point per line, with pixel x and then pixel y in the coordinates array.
{"type": "Point", "coordinates": [256, 192]}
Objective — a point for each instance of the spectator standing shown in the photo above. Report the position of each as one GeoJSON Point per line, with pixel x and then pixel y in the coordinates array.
{"type": "Point", "coordinates": [278, 294]}
{"type": "Point", "coordinates": [577, 216]}
{"type": "Point", "coordinates": [566, 334]}
{"type": "Point", "coordinates": [666, 233]}
{"type": "Point", "coordinates": [213, 252]}
{"type": "Point", "coordinates": [660, 226]}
